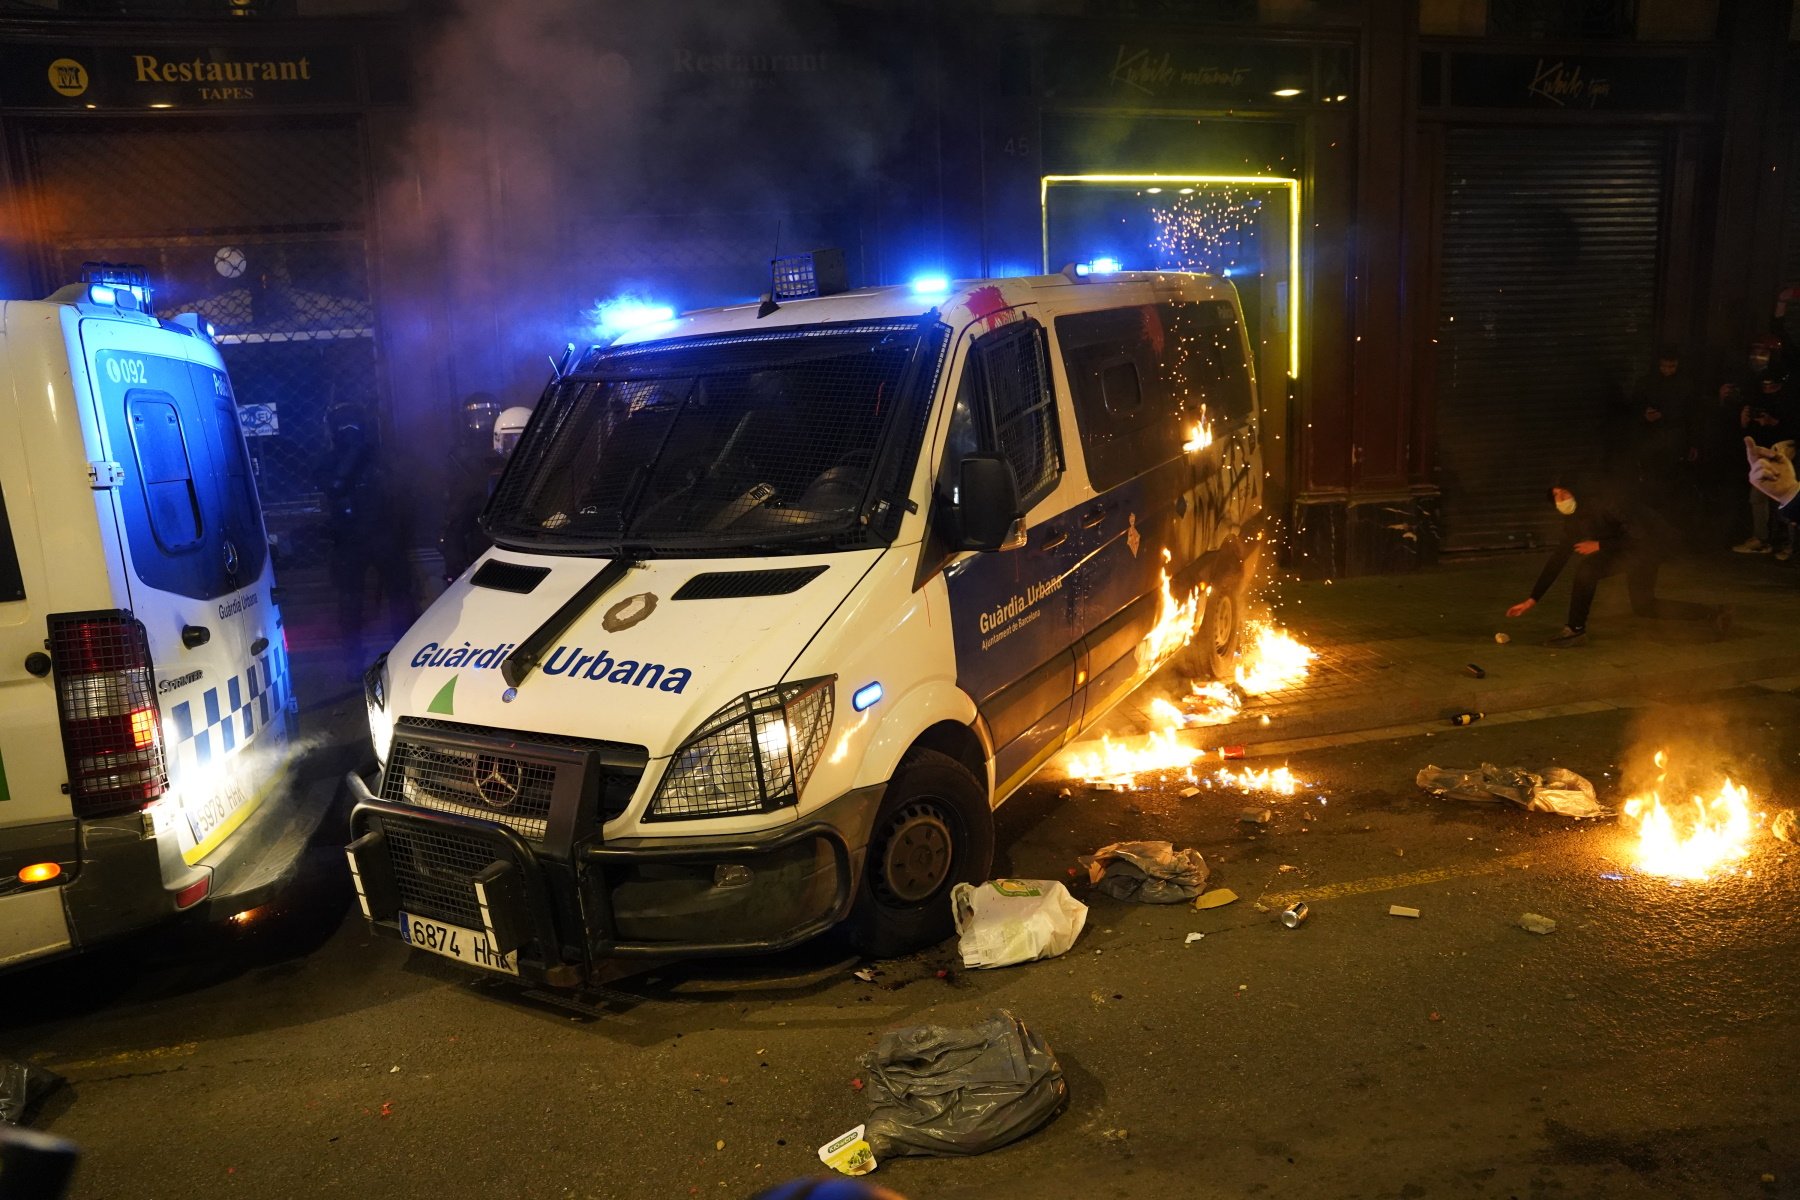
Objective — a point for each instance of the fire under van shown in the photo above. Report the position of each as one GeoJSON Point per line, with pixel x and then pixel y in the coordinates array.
{"type": "Point", "coordinates": [785, 599]}
{"type": "Point", "coordinates": [145, 704]}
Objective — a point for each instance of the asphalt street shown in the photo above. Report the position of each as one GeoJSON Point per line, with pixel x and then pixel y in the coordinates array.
{"type": "Point", "coordinates": [1646, 1047]}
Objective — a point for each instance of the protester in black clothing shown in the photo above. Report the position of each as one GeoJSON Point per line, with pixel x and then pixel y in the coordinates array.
{"type": "Point", "coordinates": [1596, 529]}
{"type": "Point", "coordinates": [369, 531]}
{"type": "Point", "coordinates": [1658, 418]}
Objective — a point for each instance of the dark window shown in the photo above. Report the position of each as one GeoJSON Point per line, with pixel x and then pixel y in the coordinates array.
{"type": "Point", "coordinates": [1204, 363]}
{"type": "Point", "coordinates": [12, 581]}
{"type": "Point", "coordinates": [1004, 406]}
{"type": "Point", "coordinates": [1013, 365]}
{"type": "Point", "coordinates": [1119, 385]}
{"type": "Point", "coordinates": [1129, 421]}
{"type": "Point", "coordinates": [168, 478]}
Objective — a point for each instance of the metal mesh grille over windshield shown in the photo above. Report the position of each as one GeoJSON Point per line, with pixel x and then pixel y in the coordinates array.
{"type": "Point", "coordinates": [713, 442]}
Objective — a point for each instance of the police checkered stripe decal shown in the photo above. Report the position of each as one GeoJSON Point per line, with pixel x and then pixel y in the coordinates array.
{"type": "Point", "coordinates": [228, 717]}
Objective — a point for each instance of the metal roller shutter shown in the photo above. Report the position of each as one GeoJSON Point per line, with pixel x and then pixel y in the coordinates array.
{"type": "Point", "coordinates": [1547, 305]}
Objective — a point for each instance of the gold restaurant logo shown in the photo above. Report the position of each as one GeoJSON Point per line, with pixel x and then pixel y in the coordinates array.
{"type": "Point", "coordinates": [68, 77]}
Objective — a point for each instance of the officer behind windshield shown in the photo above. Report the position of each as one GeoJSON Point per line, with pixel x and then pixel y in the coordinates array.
{"type": "Point", "coordinates": [488, 437]}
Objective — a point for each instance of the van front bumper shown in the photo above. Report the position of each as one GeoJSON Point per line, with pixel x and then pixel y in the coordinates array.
{"type": "Point", "coordinates": [661, 897]}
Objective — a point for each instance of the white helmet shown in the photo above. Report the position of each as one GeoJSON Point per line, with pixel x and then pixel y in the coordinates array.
{"type": "Point", "coordinates": [508, 426]}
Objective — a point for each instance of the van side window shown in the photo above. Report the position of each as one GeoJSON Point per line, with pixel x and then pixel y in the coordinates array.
{"type": "Point", "coordinates": [1006, 393]}
{"type": "Point", "coordinates": [168, 478]}
{"type": "Point", "coordinates": [12, 580]}
{"type": "Point", "coordinates": [1206, 362]}
{"type": "Point", "coordinates": [1129, 421]}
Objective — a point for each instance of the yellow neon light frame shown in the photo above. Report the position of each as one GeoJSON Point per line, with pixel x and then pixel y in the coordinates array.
{"type": "Point", "coordinates": [1293, 186]}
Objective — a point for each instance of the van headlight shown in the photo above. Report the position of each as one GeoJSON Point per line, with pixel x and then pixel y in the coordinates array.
{"type": "Point", "coordinates": [753, 755]}
{"type": "Point", "coordinates": [375, 699]}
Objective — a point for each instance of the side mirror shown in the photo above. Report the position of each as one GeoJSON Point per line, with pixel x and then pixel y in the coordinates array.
{"type": "Point", "coordinates": [988, 504]}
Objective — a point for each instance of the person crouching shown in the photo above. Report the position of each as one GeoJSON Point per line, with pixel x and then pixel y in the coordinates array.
{"type": "Point", "coordinates": [1610, 539]}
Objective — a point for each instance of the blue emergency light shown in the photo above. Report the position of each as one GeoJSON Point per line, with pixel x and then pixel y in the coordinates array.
{"type": "Point", "coordinates": [613, 317]}
{"type": "Point", "coordinates": [931, 285]}
{"type": "Point", "coordinates": [1104, 265]}
{"type": "Point", "coordinates": [865, 696]}
{"type": "Point", "coordinates": [117, 285]}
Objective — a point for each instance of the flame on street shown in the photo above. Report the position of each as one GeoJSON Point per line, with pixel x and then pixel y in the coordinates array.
{"type": "Point", "coordinates": [1278, 780]}
{"type": "Point", "coordinates": [1271, 659]}
{"type": "Point", "coordinates": [1689, 839]}
{"type": "Point", "coordinates": [1119, 765]}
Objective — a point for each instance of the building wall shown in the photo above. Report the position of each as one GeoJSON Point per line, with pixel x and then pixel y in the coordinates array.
{"type": "Point", "coordinates": [515, 168]}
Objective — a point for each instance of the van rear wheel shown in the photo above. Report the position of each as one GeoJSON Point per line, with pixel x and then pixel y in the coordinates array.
{"type": "Point", "coordinates": [1214, 650]}
{"type": "Point", "coordinates": [934, 830]}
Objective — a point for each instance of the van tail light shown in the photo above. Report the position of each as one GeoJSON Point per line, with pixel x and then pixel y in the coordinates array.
{"type": "Point", "coordinates": [106, 702]}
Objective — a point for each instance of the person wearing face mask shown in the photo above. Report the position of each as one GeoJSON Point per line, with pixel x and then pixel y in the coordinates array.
{"type": "Point", "coordinates": [1596, 531]}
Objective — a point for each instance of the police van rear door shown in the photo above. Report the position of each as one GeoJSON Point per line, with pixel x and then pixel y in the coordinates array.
{"type": "Point", "coordinates": [199, 577]}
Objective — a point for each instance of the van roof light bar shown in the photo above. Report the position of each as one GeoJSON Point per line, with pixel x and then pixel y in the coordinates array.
{"type": "Point", "coordinates": [815, 273]}
{"type": "Point", "coordinates": [119, 277]}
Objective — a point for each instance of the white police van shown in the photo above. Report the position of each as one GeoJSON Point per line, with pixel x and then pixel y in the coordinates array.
{"type": "Point", "coordinates": [785, 599]}
{"type": "Point", "coordinates": [144, 699]}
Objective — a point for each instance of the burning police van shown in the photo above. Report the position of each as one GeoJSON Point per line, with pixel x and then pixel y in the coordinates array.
{"type": "Point", "coordinates": [785, 599]}
{"type": "Point", "coordinates": [145, 707]}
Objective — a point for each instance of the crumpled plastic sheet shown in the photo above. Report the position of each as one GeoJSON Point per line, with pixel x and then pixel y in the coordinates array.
{"type": "Point", "coordinates": [1557, 790]}
{"type": "Point", "coordinates": [941, 1091]}
{"type": "Point", "coordinates": [1146, 872]}
{"type": "Point", "coordinates": [21, 1088]}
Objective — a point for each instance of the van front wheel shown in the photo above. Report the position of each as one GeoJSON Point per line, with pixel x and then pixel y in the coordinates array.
{"type": "Point", "coordinates": [934, 830]}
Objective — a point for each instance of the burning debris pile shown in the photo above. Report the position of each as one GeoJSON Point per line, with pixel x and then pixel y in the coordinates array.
{"type": "Point", "coordinates": [1270, 660]}
{"type": "Point", "coordinates": [1693, 838]}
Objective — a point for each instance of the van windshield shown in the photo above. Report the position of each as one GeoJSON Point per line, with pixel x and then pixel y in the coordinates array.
{"type": "Point", "coordinates": [791, 439]}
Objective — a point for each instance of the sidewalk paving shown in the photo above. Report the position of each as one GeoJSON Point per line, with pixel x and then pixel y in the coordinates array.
{"type": "Point", "coordinates": [1393, 649]}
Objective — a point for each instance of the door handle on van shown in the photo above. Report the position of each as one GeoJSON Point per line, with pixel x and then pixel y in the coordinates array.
{"type": "Point", "coordinates": [258, 646]}
{"type": "Point", "coordinates": [1054, 540]}
{"type": "Point", "coordinates": [195, 636]}
{"type": "Point", "coordinates": [1095, 515]}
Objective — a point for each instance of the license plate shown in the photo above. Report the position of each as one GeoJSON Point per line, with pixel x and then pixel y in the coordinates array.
{"type": "Point", "coordinates": [205, 814]}
{"type": "Point", "coordinates": [453, 941]}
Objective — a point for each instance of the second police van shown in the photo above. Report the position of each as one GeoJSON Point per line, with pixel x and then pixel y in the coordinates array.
{"type": "Point", "coordinates": [145, 705]}
{"type": "Point", "coordinates": [785, 599]}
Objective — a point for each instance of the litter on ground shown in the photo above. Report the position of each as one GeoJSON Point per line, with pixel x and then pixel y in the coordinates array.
{"type": "Point", "coordinates": [1146, 872]}
{"type": "Point", "coordinates": [1007, 921]}
{"type": "Point", "coordinates": [935, 1090]}
{"type": "Point", "coordinates": [1556, 790]}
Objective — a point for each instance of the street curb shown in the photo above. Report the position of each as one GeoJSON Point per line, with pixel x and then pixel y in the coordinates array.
{"type": "Point", "coordinates": [1378, 711]}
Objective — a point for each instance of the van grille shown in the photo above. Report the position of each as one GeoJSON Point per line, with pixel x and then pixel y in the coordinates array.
{"type": "Point", "coordinates": [435, 868]}
{"type": "Point", "coordinates": [497, 776]}
{"type": "Point", "coordinates": [470, 783]}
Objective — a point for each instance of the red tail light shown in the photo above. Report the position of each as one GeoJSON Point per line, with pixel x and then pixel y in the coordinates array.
{"type": "Point", "coordinates": [111, 724]}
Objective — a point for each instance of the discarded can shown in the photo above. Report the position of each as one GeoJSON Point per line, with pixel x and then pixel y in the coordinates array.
{"type": "Point", "coordinates": [1231, 752]}
{"type": "Point", "coordinates": [1293, 917]}
{"type": "Point", "coordinates": [1475, 671]}
{"type": "Point", "coordinates": [1466, 718]}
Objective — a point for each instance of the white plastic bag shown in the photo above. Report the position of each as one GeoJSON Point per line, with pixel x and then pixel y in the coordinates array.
{"type": "Point", "coordinates": [1006, 921]}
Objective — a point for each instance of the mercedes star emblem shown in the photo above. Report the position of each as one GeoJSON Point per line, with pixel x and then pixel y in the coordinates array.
{"type": "Point", "coordinates": [498, 780]}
